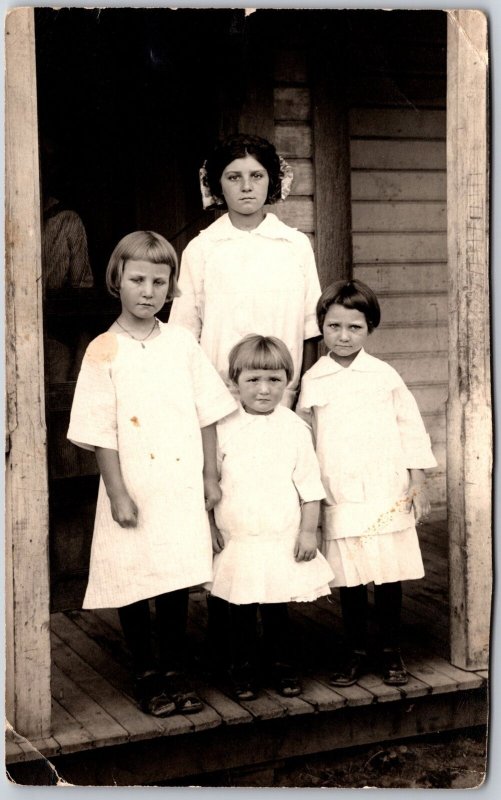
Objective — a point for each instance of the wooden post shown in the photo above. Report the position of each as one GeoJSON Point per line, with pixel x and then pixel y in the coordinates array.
{"type": "Point", "coordinates": [27, 603]}
{"type": "Point", "coordinates": [333, 242]}
{"type": "Point", "coordinates": [469, 424]}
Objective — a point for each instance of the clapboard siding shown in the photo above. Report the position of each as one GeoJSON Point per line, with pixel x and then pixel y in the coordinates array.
{"type": "Point", "coordinates": [408, 277]}
{"type": "Point", "coordinates": [395, 123]}
{"type": "Point", "coordinates": [397, 154]}
{"type": "Point", "coordinates": [399, 185]}
{"type": "Point", "coordinates": [399, 219]}
{"type": "Point", "coordinates": [399, 216]}
{"type": "Point", "coordinates": [294, 138]}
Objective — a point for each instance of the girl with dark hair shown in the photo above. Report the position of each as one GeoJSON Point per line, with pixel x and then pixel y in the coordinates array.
{"type": "Point", "coordinates": [146, 402]}
{"type": "Point", "coordinates": [248, 271]}
{"type": "Point", "coordinates": [373, 448]}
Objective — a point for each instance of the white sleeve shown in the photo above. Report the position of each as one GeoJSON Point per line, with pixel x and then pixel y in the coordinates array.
{"type": "Point", "coordinates": [415, 440]}
{"type": "Point", "coordinates": [306, 475]}
{"type": "Point", "coordinates": [187, 310]}
{"type": "Point", "coordinates": [312, 292]}
{"type": "Point", "coordinates": [93, 419]}
{"type": "Point", "coordinates": [213, 399]}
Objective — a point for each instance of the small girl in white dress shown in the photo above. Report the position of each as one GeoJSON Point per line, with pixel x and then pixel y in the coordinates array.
{"type": "Point", "coordinates": [373, 448]}
{"type": "Point", "coordinates": [265, 527]}
{"type": "Point", "coordinates": [146, 401]}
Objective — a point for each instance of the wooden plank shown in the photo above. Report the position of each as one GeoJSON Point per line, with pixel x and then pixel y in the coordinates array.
{"type": "Point", "coordinates": [399, 185]}
{"type": "Point", "coordinates": [162, 760]}
{"type": "Point", "coordinates": [292, 103]}
{"type": "Point", "coordinates": [428, 338]}
{"type": "Point", "coordinates": [320, 696]}
{"type": "Point", "coordinates": [137, 724]}
{"type": "Point", "coordinates": [398, 216]}
{"type": "Point", "coordinates": [264, 707]}
{"type": "Point", "coordinates": [231, 712]}
{"type": "Point", "coordinates": [354, 695]}
{"type": "Point", "coordinates": [297, 212]}
{"type": "Point", "coordinates": [418, 366]}
{"type": "Point", "coordinates": [402, 247]}
{"type": "Point", "coordinates": [407, 123]}
{"type": "Point", "coordinates": [290, 65]}
{"type": "Point", "coordinates": [464, 680]}
{"type": "Point", "coordinates": [103, 728]}
{"type": "Point", "coordinates": [469, 405]}
{"type": "Point", "coordinates": [430, 396]}
{"type": "Point", "coordinates": [399, 91]}
{"type": "Point", "coordinates": [292, 705]}
{"type": "Point", "coordinates": [68, 731]}
{"type": "Point", "coordinates": [397, 154]}
{"type": "Point", "coordinates": [430, 307]}
{"type": "Point", "coordinates": [437, 681]}
{"type": "Point", "coordinates": [399, 277]}
{"type": "Point", "coordinates": [294, 141]}
{"type": "Point", "coordinates": [382, 693]}
{"type": "Point", "coordinates": [27, 604]}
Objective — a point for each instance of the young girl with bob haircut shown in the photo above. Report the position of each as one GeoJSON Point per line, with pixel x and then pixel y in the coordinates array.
{"type": "Point", "coordinates": [146, 401]}
{"type": "Point", "coordinates": [373, 448]}
{"type": "Point", "coordinates": [248, 271]}
{"type": "Point", "coordinates": [265, 528]}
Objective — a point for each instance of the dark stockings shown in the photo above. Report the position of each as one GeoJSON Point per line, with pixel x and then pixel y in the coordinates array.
{"type": "Point", "coordinates": [171, 617]}
{"type": "Point", "coordinates": [388, 607]}
{"type": "Point", "coordinates": [276, 637]}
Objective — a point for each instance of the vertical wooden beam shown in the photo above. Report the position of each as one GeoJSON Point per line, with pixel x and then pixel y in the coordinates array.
{"type": "Point", "coordinates": [331, 139]}
{"type": "Point", "coordinates": [28, 645]}
{"type": "Point", "coordinates": [469, 423]}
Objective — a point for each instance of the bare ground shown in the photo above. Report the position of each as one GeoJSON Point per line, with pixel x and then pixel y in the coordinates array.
{"type": "Point", "coordinates": [440, 761]}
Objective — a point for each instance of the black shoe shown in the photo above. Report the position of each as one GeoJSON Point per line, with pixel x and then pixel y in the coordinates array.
{"type": "Point", "coordinates": [151, 696]}
{"type": "Point", "coordinates": [394, 671]}
{"type": "Point", "coordinates": [177, 685]}
{"type": "Point", "coordinates": [243, 682]}
{"type": "Point", "coordinates": [354, 666]}
{"type": "Point", "coordinates": [286, 680]}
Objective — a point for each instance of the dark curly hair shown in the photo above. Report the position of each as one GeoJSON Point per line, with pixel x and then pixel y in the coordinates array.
{"type": "Point", "coordinates": [350, 294]}
{"type": "Point", "coordinates": [240, 145]}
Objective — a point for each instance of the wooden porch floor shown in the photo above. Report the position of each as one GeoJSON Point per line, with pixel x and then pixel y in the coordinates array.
{"type": "Point", "coordinates": [94, 714]}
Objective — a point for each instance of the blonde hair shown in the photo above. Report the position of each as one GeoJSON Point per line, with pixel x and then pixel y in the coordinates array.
{"type": "Point", "coordinates": [259, 352]}
{"type": "Point", "coordinates": [142, 246]}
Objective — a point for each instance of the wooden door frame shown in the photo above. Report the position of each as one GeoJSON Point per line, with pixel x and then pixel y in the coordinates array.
{"type": "Point", "coordinates": [468, 414]}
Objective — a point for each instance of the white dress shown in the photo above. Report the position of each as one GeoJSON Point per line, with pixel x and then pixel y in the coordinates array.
{"type": "Point", "coordinates": [268, 466]}
{"type": "Point", "coordinates": [368, 433]}
{"type": "Point", "coordinates": [149, 404]}
{"type": "Point", "coordinates": [236, 282]}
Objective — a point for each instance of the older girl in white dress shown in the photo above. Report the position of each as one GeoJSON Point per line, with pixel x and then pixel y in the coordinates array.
{"type": "Point", "coordinates": [373, 448]}
{"type": "Point", "coordinates": [265, 526]}
{"type": "Point", "coordinates": [247, 272]}
{"type": "Point", "coordinates": [146, 401]}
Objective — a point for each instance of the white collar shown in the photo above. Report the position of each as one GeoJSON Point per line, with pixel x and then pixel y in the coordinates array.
{"type": "Point", "coordinates": [363, 362]}
{"type": "Point", "coordinates": [270, 228]}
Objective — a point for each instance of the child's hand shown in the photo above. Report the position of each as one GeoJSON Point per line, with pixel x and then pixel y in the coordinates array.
{"type": "Point", "coordinates": [417, 495]}
{"type": "Point", "coordinates": [420, 501]}
{"type": "Point", "coordinates": [124, 510]}
{"type": "Point", "coordinates": [212, 492]}
{"type": "Point", "coordinates": [216, 535]}
{"type": "Point", "coordinates": [306, 546]}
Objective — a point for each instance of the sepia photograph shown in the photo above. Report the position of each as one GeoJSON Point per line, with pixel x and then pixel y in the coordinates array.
{"type": "Point", "coordinates": [263, 227]}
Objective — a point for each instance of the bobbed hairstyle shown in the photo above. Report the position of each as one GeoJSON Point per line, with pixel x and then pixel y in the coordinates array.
{"type": "Point", "coordinates": [142, 246]}
{"type": "Point", "coordinates": [241, 145]}
{"type": "Point", "coordinates": [259, 352]}
{"type": "Point", "coordinates": [350, 294]}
